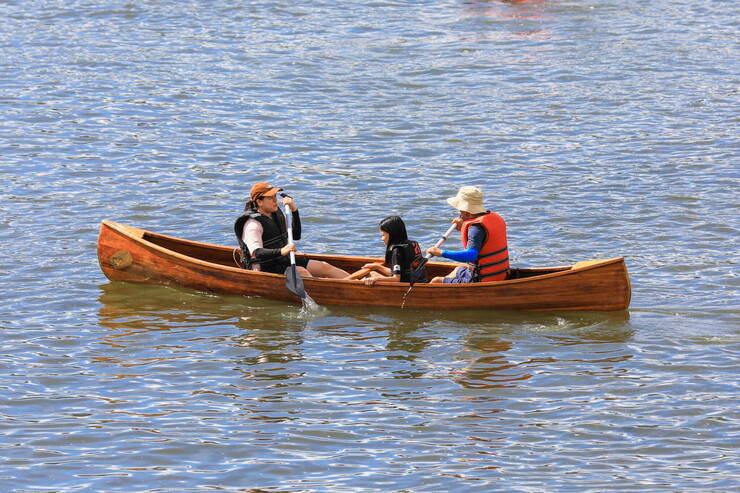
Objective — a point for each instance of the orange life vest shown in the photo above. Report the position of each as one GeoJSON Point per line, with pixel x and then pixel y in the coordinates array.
{"type": "Point", "coordinates": [492, 263]}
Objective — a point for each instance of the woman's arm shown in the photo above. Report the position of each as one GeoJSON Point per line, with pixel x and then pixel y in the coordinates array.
{"type": "Point", "coordinates": [295, 217]}
{"type": "Point", "coordinates": [379, 268]}
{"type": "Point", "coordinates": [296, 225]}
{"type": "Point", "coordinates": [370, 281]}
{"type": "Point", "coordinates": [252, 237]}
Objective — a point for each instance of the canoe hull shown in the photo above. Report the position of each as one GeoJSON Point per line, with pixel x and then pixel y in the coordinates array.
{"type": "Point", "coordinates": [133, 255]}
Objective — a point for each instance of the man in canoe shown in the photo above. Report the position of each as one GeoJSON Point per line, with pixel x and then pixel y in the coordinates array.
{"type": "Point", "coordinates": [263, 236]}
{"type": "Point", "coordinates": [483, 235]}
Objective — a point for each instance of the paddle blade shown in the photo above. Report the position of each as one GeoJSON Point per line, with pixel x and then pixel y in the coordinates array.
{"type": "Point", "coordinates": [294, 282]}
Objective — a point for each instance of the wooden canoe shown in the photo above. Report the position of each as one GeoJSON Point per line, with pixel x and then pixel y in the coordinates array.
{"type": "Point", "coordinates": [131, 254]}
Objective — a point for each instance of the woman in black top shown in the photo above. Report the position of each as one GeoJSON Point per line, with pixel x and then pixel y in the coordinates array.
{"type": "Point", "coordinates": [404, 261]}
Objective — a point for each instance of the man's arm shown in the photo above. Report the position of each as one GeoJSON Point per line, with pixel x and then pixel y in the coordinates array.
{"type": "Point", "coordinates": [476, 236]}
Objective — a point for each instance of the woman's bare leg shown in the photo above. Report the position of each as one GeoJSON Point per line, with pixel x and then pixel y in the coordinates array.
{"type": "Point", "coordinates": [319, 268]}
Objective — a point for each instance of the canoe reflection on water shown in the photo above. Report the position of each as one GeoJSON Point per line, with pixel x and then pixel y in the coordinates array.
{"type": "Point", "coordinates": [492, 369]}
{"type": "Point", "coordinates": [154, 323]}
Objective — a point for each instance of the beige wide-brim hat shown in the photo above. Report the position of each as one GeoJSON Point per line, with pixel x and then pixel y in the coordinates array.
{"type": "Point", "coordinates": [468, 199]}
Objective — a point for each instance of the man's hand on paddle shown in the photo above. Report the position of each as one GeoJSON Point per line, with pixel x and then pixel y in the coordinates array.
{"type": "Point", "coordinates": [434, 251]}
{"type": "Point", "coordinates": [290, 247]}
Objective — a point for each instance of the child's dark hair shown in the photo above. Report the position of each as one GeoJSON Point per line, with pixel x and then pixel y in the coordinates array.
{"type": "Point", "coordinates": [396, 229]}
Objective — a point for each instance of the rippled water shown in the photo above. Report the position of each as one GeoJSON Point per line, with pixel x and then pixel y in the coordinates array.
{"type": "Point", "coordinates": [596, 128]}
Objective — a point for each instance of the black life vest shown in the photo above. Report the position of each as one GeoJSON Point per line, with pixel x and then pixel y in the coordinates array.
{"type": "Point", "coordinates": [274, 235]}
{"type": "Point", "coordinates": [412, 261]}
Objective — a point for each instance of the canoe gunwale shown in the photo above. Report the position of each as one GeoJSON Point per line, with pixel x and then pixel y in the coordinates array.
{"type": "Point", "coordinates": [134, 234]}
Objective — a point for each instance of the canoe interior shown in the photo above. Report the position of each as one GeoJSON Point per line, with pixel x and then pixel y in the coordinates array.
{"type": "Point", "coordinates": [229, 257]}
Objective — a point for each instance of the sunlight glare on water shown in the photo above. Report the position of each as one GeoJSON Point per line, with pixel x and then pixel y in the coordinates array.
{"type": "Point", "coordinates": [597, 129]}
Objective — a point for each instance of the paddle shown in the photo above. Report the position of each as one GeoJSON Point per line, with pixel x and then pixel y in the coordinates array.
{"type": "Point", "coordinates": [440, 241]}
{"type": "Point", "coordinates": [437, 245]}
{"type": "Point", "coordinates": [293, 281]}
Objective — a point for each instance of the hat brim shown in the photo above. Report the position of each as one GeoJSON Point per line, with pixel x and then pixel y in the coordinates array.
{"type": "Point", "coordinates": [464, 205]}
{"type": "Point", "coordinates": [271, 192]}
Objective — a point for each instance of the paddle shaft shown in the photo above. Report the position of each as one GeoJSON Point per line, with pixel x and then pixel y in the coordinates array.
{"type": "Point", "coordinates": [289, 224]}
{"type": "Point", "coordinates": [293, 280]}
{"type": "Point", "coordinates": [442, 240]}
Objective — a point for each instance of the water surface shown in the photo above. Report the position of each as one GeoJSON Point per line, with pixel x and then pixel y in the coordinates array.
{"type": "Point", "coordinates": [597, 129]}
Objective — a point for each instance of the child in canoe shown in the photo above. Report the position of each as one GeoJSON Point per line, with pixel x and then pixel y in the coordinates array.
{"type": "Point", "coordinates": [404, 261]}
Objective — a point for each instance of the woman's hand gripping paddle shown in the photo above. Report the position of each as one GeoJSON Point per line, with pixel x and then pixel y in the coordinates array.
{"type": "Point", "coordinates": [293, 281]}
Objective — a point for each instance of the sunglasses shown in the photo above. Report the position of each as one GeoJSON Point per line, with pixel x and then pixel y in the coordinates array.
{"type": "Point", "coordinates": [264, 197]}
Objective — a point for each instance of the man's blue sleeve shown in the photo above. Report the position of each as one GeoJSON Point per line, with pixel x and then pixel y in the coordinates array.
{"type": "Point", "coordinates": [468, 255]}
{"type": "Point", "coordinates": [476, 235]}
